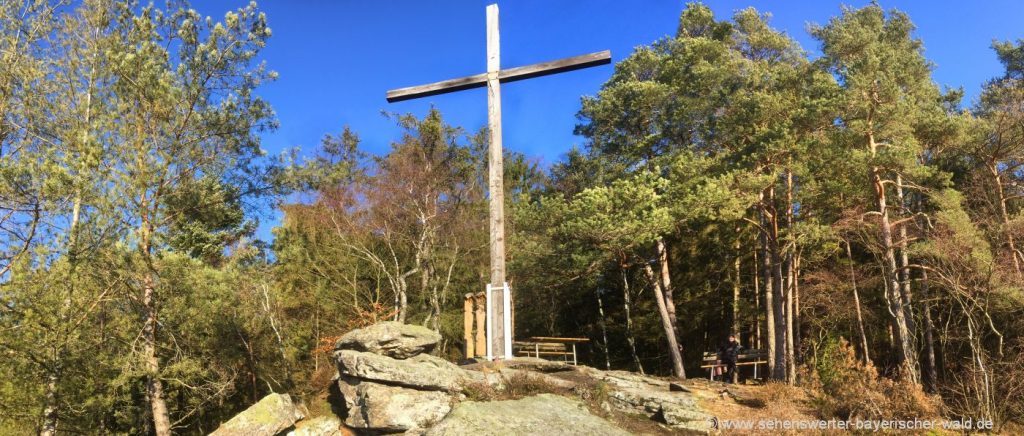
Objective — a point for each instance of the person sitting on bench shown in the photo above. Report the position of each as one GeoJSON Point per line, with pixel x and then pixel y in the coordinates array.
{"type": "Point", "coordinates": [727, 354]}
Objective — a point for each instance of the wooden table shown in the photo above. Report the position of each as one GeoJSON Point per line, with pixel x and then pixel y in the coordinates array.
{"type": "Point", "coordinates": [550, 345]}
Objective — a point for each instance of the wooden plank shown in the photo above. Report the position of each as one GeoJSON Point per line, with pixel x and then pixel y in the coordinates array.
{"type": "Point", "coordinates": [547, 353]}
{"type": "Point", "coordinates": [542, 347]}
{"type": "Point", "coordinates": [508, 75]}
{"type": "Point", "coordinates": [467, 325]}
{"type": "Point", "coordinates": [738, 364]}
{"type": "Point", "coordinates": [556, 66]}
{"type": "Point", "coordinates": [557, 339]}
{"type": "Point", "coordinates": [442, 87]}
{"type": "Point", "coordinates": [480, 321]}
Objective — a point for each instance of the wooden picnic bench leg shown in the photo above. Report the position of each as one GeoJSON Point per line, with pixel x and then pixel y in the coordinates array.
{"type": "Point", "coordinates": [536, 350]}
{"type": "Point", "coordinates": [574, 354]}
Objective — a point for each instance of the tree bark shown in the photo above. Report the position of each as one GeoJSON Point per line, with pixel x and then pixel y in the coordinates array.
{"type": "Point", "coordinates": [736, 271]}
{"type": "Point", "coordinates": [666, 324]}
{"type": "Point", "coordinates": [154, 387]}
{"type": "Point", "coordinates": [856, 302]}
{"type": "Point", "coordinates": [50, 412]}
{"type": "Point", "coordinates": [929, 338]}
{"type": "Point", "coordinates": [769, 292]}
{"type": "Point", "coordinates": [906, 294]}
{"type": "Point", "coordinates": [789, 266]}
{"type": "Point", "coordinates": [627, 304]}
{"type": "Point", "coordinates": [666, 282]}
{"type": "Point", "coordinates": [796, 312]}
{"type": "Point", "coordinates": [779, 294]}
{"type": "Point", "coordinates": [604, 329]}
{"type": "Point", "coordinates": [757, 303]}
{"type": "Point", "coordinates": [1004, 216]}
{"type": "Point", "coordinates": [151, 361]}
{"type": "Point", "coordinates": [902, 339]}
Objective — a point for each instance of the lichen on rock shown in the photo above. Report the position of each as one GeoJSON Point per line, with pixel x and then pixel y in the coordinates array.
{"type": "Point", "coordinates": [391, 339]}
{"type": "Point", "coordinates": [272, 415]}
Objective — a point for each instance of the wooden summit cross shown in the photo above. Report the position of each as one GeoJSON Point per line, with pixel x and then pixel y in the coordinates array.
{"type": "Point", "coordinates": [499, 334]}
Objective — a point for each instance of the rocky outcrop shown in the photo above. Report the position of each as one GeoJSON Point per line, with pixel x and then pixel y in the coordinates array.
{"type": "Point", "coordinates": [417, 372]}
{"type": "Point", "coordinates": [636, 394]}
{"type": "Point", "coordinates": [539, 414]}
{"type": "Point", "coordinates": [391, 339]}
{"type": "Point", "coordinates": [389, 385]}
{"type": "Point", "coordinates": [390, 408]}
{"type": "Point", "coordinates": [386, 384]}
{"type": "Point", "coordinates": [272, 415]}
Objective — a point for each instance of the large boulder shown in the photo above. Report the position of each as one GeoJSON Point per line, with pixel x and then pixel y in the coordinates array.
{"type": "Point", "coordinates": [540, 414]}
{"type": "Point", "coordinates": [390, 338]}
{"type": "Point", "coordinates": [385, 408]}
{"type": "Point", "coordinates": [424, 371]}
{"type": "Point", "coordinates": [273, 414]}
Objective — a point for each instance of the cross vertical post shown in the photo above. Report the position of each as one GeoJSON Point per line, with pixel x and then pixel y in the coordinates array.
{"type": "Point", "coordinates": [498, 293]}
{"type": "Point", "coordinates": [496, 189]}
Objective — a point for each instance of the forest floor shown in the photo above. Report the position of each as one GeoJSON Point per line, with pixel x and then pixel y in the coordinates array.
{"type": "Point", "coordinates": [754, 404]}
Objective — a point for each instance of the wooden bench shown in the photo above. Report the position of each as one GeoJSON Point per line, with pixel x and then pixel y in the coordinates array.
{"type": "Point", "coordinates": [745, 358]}
{"type": "Point", "coordinates": [546, 347]}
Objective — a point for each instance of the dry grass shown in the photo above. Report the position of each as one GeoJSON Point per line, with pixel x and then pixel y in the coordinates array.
{"type": "Point", "coordinates": [512, 387]}
{"type": "Point", "coordinates": [322, 378]}
{"type": "Point", "coordinates": [767, 402]}
{"type": "Point", "coordinates": [844, 387]}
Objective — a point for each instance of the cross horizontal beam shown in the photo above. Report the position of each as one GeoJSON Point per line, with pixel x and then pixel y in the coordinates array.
{"type": "Point", "coordinates": [507, 75]}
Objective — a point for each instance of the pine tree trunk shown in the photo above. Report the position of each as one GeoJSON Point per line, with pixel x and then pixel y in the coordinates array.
{"type": "Point", "coordinates": [50, 414]}
{"type": "Point", "coordinates": [929, 339]}
{"type": "Point", "coordinates": [1016, 254]}
{"type": "Point", "coordinates": [604, 330]}
{"type": "Point", "coordinates": [151, 361]}
{"type": "Point", "coordinates": [669, 290]}
{"type": "Point", "coordinates": [666, 324]}
{"type": "Point", "coordinates": [902, 340]}
{"type": "Point", "coordinates": [154, 387]}
{"type": "Point", "coordinates": [856, 302]}
{"type": "Point", "coordinates": [627, 303]}
{"type": "Point", "coordinates": [790, 283]}
{"type": "Point", "coordinates": [778, 294]}
{"type": "Point", "coordinates": [666, 282]}
{"type": "Point", "coordinates": [769, 293]}
{"type": "Point", "coordinates": [790, 366]}
{"type": "Point", "coordinates": [779, 312]}
{"type": "Point", "coordinates": [906, 294]}
{"type": "Point", "coordinates": [757, 303]}
{"type": "Point", "coordinates": [736, 271]}
{"type": "Point", "coordinates": [796, 313]}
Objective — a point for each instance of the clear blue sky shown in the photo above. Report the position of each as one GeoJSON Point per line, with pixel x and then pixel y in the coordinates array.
{"type": "Point", "coordinates": [337, 58]}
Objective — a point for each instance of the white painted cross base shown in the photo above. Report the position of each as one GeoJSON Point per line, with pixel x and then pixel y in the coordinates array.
{"type": "Point", "coordinates": [499, 322]}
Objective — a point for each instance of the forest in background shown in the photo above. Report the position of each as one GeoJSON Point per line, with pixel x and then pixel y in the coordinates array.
{"type": "Point", "coordinates": [843, 212]}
